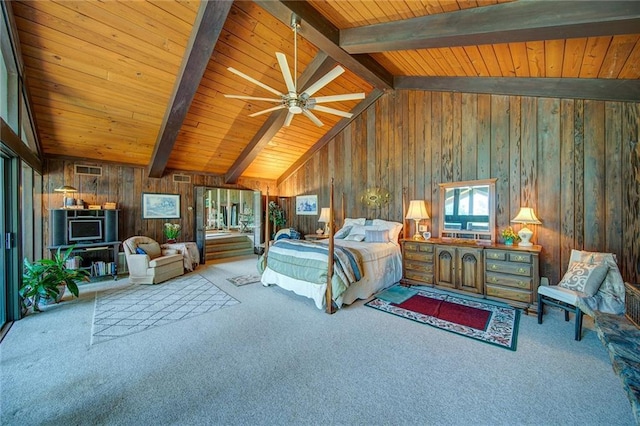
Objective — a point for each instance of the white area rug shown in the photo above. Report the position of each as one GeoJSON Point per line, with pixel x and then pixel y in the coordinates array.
{"type": "Point", "coordinates": [137, 307]}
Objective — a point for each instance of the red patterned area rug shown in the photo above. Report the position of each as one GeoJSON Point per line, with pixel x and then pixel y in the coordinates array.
{"type": "Point", "coordinates": [489, 322]}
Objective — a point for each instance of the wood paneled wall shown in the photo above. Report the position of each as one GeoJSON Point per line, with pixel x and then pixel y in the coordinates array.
{"type": "Point", "coordinates": [125, 185]}
{"type": "Point", "coordinates": [577, 162]}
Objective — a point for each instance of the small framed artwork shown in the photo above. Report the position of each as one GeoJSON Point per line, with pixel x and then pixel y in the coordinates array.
{"type": "Point", "coordinates": [307, 204]}
{"type": "Point", "coordinates": [160, 206]}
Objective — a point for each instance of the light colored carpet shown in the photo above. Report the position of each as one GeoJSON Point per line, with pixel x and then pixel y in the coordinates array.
{"type": "Point", "coordinates": [275, 359]}
{"type": "Point", "coordinates": [137, 307]}
{"type": "Point", "coordinates": [244, 279]}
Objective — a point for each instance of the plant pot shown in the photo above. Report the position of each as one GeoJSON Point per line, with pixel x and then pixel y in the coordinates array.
{"type": "Point", "coordinates": [508, 241]}
{"type": "Point", "coordinates": [171, 240]}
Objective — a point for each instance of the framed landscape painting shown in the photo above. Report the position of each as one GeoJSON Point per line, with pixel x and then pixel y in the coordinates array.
{"type": "Point", "coordinates": [307, 204]}
{"type": "Point", "coordinates": [160, 206]}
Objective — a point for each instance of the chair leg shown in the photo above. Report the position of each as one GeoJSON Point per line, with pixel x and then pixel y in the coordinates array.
{"type": "Point", "coordinates": [578, 324]}
{"type": "Point", "coordinates": [540, 309]}
{"type": "Point", "coordinates": [566, 315]}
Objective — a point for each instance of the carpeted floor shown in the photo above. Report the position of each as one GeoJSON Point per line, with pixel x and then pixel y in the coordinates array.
{"type": "Point", "coordinates": [276, 359]}
{"type": "Point", "coordinates": [138, 307]}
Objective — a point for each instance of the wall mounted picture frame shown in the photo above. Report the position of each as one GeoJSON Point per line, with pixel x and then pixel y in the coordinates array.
{"type": "Point", "coordinates": [160, 206]}
{"type": "Point", "coordinates": [307, 204]}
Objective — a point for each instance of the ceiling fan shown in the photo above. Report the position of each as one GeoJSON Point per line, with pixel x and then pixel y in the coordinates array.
{"type": "Point", "coordinates": [294, 102]}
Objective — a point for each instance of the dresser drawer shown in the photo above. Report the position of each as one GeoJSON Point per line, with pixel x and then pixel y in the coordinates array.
{"type": "Point", "coordinates": [524, 283]}
{"type": "Point", "coordinates": [495, 254]}
{"type": "Point", "coordinates": [418, 266]}
{"type": "Point", "coordinates": [509, 268]}
{"type": "Point", "coordinates": [509, 293]}
{"type": "Point", "coordinates": [520, 257]}
{"type": "Point", "coordinates": [418, 247]}
{"type": "Point", "coordinates": [418, 276]}
{"type": "Point", "coordinates": [419, 256]}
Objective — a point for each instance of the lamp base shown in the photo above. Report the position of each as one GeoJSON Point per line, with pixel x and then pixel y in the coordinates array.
{"type": "Point", "coordinates": [525, 235]}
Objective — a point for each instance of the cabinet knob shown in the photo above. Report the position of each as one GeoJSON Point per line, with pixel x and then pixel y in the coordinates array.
{"type": "Point", "coordinates": [520, 258]}
{"type": "Point", "coordinates": [494, 266]}
{"type": "Point", "coordinates": [522, 270]}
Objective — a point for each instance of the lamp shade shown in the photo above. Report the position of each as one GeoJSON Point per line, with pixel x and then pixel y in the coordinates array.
{"type": "Point", "coordinates": [324, 215]}
{"type": "Point", "coordinates": [417, 210]}
{"type": "Point", "coordinates": [526, 215]}
{"type": "Point", "coordinates": [65, 189]}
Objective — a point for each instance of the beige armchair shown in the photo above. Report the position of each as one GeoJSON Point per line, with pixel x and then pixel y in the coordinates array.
{"type": "Point", "coordinates": [148, 263]}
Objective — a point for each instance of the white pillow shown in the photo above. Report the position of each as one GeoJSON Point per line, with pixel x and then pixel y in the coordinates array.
{"type": "Point", "coordinates": [351, 221]}
{"type": "Point", "coordinates": [356, 237]}
{"type": "Point", "coordinates": [393, 227]}
{"type": "Point", "coordinates": [361, 230]}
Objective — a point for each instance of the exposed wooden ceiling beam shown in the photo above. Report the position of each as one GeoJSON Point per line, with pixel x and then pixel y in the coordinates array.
{"type": "Point", "coordinates": [318, 67]}
{"type": "Point", "coordinates": [503, 23]}
{"type": "Point", "coordinates": [325, 36]}
{"type": "Point", "coordinates": [578, 88]}
{"type": "Point", "coordinates": [340, 125]}
{"type": "Point", "coordinates": [204, 36]}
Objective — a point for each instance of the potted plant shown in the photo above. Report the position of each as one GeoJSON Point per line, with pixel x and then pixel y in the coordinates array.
{"type": "Point", "coordinates": [510, 236]}
{"type": "Point", "coordinates": [46, 279]}
{"type": "Point", "coordinates": [171, 231]}
{"type": "Point", "coordinates": [276, 215]}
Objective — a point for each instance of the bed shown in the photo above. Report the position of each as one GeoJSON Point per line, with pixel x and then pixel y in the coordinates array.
{"type": "Point", "coordinates": [361, 259]}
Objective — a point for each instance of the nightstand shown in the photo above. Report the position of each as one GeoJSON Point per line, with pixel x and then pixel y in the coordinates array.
{"type": "Point", "coordinates": [316, 236]}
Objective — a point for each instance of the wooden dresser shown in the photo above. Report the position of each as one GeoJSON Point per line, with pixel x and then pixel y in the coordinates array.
{"type": "Point", "coordinates": [505, 273]}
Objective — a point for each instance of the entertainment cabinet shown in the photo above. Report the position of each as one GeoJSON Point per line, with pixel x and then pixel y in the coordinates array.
{"type": "Point", "coordinates": [499, 272]}
{"type": "Point", "coordinates": [93, 234]}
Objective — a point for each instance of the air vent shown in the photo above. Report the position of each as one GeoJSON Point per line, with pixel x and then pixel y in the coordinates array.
{"type": "Point", "coordinates": [88, 170]}
{"type": "Point", "coordinates": [182, 178]}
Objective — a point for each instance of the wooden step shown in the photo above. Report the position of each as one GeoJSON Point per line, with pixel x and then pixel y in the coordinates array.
{"type": "Point", "coordinates": [229, 253]}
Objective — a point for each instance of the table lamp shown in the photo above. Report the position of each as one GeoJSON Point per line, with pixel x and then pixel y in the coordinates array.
{"type": "Point", "coordinates": [417, 212]}
{"type": "Point", "coordinates": [526, 216]}
{"type": "Point", "coordinates": [325, 218]}
{"type": "Point", "coordinates": [65, 189]}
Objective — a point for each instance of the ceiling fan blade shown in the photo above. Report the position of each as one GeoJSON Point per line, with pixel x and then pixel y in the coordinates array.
{"type": "Point", "coordinates": [254, 81]}
{"type": "Point", "coordinates": [275, 108]}
{"type": "Point", "coordinates": [312, 117]}
{"type": "Point", "coordinates": [332, 111]}
{"type": "Point", "coordinates": [287, 121]}
{"type": "Point", "coordinates": [337, 98]}
{"type": "Point", "coordinates": [324, 80]}
{"type": "Point", "coordinates": [253, 98]}
{"type": "Point", "coordinates": [286, 72]}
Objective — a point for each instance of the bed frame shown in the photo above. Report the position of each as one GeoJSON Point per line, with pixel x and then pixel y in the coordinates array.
{"type": "Point", "coordinates": [330, 308]}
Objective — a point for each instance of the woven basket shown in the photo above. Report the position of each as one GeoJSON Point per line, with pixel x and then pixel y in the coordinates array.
{"type": "Point", "coordinates": [632, 302]}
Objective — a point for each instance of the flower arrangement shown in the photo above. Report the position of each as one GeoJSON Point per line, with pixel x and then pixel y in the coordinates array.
{"type": "Point", "coordinates": [171, 230]}
{"type": "Point", "coordinates": [510, 235]}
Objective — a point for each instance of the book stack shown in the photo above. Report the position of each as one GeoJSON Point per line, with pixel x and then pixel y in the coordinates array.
{"type": "Point", "coordinates": [73, 262]}
{"type": "Point", "coordinates": [99, 268]}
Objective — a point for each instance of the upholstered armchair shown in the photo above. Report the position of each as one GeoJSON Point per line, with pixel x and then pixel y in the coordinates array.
{"type": "Point", "coordinates": [148, 263]}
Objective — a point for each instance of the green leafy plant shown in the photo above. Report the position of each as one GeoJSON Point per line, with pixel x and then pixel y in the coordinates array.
{"type": "Point", "coordinates": [171, 230]}
{"type": "Point", "coordinates": [276, 215]}
{"type": "Point", "coordinates": [509, 234]}
{"type": "Point", "coordinates": [46, 278]}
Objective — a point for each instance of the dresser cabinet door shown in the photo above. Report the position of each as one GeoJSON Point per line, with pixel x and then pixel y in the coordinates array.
{"type": "Point", "coordinates": [470, 269]}
{"type": "Point", "coordinates": [446, 266]}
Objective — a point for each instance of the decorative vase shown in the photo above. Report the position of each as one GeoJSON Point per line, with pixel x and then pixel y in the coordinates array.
{"type": "Point", "coordinates": [508, 241]}
{"type": "Point", "coordinates": [171, 240]}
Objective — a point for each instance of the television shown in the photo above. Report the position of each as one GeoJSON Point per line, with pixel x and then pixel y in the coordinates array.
{"type": "Point", "coordinates": [85, 230]}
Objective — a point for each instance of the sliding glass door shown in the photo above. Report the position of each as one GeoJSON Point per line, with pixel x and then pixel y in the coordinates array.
{"type": "Point", "coordinates": [4, 279]}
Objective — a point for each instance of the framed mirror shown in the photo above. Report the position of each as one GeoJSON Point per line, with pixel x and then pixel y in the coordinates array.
{"type": "Point", "coordinates": [467, 210]}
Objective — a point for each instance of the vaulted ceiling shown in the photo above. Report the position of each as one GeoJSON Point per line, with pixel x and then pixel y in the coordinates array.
{"type": "Point", "coordinates": [143, 82]}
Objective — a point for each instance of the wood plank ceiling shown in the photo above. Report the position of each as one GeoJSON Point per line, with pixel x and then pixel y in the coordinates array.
{"type": "Point", "coordinates": [109, 80]}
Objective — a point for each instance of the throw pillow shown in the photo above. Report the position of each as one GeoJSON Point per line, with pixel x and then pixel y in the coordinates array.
{"type": "Point", "coordinates": [376, 235]}
{"type": "Point", "coordinates": [584, 277]}
{"type": "Point", "coordinates": [355, 237]}
{"type": "Point", "coordinates": [140, 251]}
{"type": "Point", "coordinates": [342, 232]}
